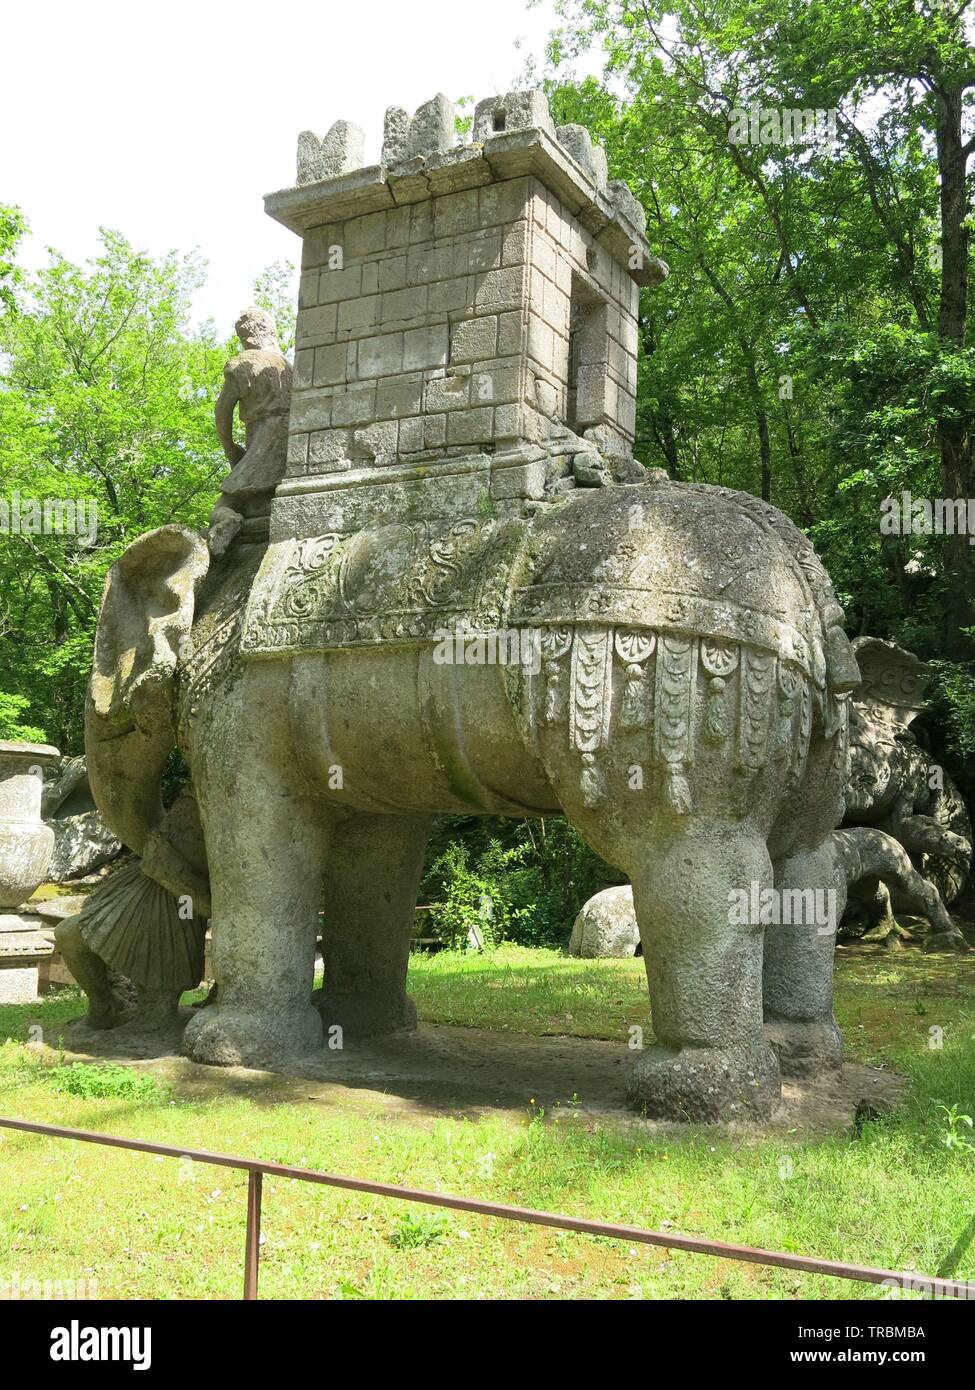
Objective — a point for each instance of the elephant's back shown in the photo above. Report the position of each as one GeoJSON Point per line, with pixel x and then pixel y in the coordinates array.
{"type": "Point", "coordinates": [681, 558]}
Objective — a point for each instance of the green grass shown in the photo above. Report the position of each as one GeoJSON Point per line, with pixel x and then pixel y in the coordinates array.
{"type": "Point", "coordinates": [896, 1195]}
{"type": "Point", "coordinates": [523, 989]}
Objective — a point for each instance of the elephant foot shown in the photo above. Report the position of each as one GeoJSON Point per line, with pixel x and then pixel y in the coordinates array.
{"type": "Point", "coordinates": [155, 1015]}
{"type": "Point", "coordinates": [229, 1036]}
{"type": "Point", "coordinates": [805, 1047]}
{"type": "Point", "coordinates": [103, 1014]}
{"type": "Point", "coordinates": [946, 941]}
{"type": "Point", "coordinates": [157, 1008]}
{"type": "Point", "coordinates": [112, 1004]}
{"type": "Point", "coordinates": [366, 1015]}
{"type": "Point", "coordinates": [704, 1085]}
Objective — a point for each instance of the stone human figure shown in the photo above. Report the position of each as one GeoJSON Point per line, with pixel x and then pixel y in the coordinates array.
{"type": "Point", "coordinates": [257, 382]}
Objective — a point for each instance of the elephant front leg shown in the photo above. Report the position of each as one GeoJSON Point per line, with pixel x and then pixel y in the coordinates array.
{"type": "Point", "coordinates": [372, 872]}
{"type": "Point", "coordinates": [798, 974]}
{"type": "Point", "coordinates": [704, 969]}
{"type": "Point", "coordinates": [265, 847]}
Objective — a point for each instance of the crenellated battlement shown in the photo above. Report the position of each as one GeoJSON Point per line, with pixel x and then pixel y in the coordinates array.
{"type": "Point", "coordinates": [425, 143]}
{"type": "Point", "coordinates": [467, 322]}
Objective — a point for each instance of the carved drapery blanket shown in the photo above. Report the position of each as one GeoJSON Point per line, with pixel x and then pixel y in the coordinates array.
{"type": "Point", "coordinates": [635, 563]}
{"type": "Point", "coordinates": [661, 592]}
{"type": "Point", "coordinates": [398, 583]}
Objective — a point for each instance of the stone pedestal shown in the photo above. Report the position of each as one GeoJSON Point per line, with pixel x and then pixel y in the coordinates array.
{"type": "Point", "coordinates": [23, 947]}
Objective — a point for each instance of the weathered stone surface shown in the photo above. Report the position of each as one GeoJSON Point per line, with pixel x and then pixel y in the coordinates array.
{"type": "Point", "coordinates": [395, 585]}
{"type": "Point", "coordinates": [25, 851]}
{"type": "Point", "coordinates": [21, 938]}
{"type": "Point", "coordinates": [54, 910]}
{"type": "Point", "coordinates": [135, 944]}
{"type": "Point", "coordinates": [18, 984]}
{"type": "Point", "coordinates": [590, 157]}
{"type": "Point", "coordinates": [892, 788]}
{"type": "Point", "coordinates": [396, 136]}
{"type": "Point", "coordinates": [340, 151]}
{"type": "Point", "coordinates": [431, 128]}
{"type": "Point", "coordinates": [82, 840]}
{"type": "Point", "coordinates": [25, 842]}
{"type": "Point", "coordinates": [514, 111]}
{"type": "Point", "coordinates": [630, 207]}
{"type": "Point", "coordinates": [606, 926]}
{"type": "Point", "coordinates": [257, 383]}
{"type": "Point", "coordinates": [546, 398]}
{"type": "Point", "coordinates": [82, 844]}
{"type": "Point", "coordinates": [494, 275]}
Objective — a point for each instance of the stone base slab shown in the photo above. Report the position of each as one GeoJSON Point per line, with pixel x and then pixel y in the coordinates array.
{"type": "Point", "coordinates": [23, 946]}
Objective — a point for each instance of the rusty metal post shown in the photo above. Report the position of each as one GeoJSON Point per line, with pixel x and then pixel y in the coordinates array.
{"type": "Point", "coordinates": [252, 1249]}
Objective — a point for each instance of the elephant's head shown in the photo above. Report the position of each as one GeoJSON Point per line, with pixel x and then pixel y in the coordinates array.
{"type": "Point", "coordinates": [144, 622]}
{"type": "Point", "coordinates": [143, 632]}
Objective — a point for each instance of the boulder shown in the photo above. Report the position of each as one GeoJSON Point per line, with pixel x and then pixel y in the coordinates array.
{"type": "Point", "coordinates": [606, 926]}
{"type": "Point", "coordinates": [82, 840]}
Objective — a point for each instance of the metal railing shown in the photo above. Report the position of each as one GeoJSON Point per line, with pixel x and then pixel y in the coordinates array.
{"type": "Point", "coordinates": [256, 1168]}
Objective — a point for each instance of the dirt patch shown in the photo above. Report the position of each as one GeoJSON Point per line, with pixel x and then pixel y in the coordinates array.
{"type": "Point", "coordinates": [441, 1071]}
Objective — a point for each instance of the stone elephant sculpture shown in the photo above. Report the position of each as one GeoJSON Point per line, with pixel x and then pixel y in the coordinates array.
{"type": "Point", "coordinates": [683, 700]}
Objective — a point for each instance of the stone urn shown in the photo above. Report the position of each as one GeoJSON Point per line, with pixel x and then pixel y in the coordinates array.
{"type": "Point", "coordinates": [26, 843]}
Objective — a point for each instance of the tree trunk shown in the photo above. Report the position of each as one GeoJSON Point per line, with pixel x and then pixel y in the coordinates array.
{"type": "Point", "coordinates": [954, 436]}
{"type": "Point", "coordinates": [761, 421]}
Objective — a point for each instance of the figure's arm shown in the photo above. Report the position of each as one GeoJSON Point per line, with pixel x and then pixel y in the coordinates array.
{"type": "Point", "coordinates": [223, 415]}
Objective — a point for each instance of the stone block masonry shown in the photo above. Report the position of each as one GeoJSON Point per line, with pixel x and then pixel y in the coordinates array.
{"type": "Point", "coordinates": [460, 300]}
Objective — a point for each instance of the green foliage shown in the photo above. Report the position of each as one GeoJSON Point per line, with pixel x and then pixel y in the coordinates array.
{"type": "Point", "coordinates": [106, 401]}
{"type": "Point", "coordinates": [12, 229]}
{"type": "Point", "coordinates": [806, 346]}
{"type": "Point", "coordinates": [521, 881]}
{"type": "Point", "coordinates": [463, 123]}
{"type": "Point", "coordinates": [103, 1081]}
{"type": "Point", "coordinates": [958, 1131]}
{"type": "Point", "coordinates": [12, 728]}
{"type": "Point", "coordinates": [418, 1232]}
{"type": "Point", "coordinates": [955, 685]}
{"type": "Point", "coordinates": [275, 290]}
{"type": "Point", "coordinates": [472, 900]}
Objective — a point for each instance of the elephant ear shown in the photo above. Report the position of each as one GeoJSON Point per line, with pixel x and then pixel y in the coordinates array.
{"type": "Point", "coordinates": [145, 621]}
{"type": "Point", "coordinates": [144, 628]}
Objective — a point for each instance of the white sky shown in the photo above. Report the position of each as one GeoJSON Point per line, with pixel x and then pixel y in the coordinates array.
{"type": "Point", "coordinates": [170, 121]}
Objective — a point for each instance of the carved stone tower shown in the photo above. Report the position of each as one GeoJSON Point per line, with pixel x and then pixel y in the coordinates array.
{"type": "Point", "coordinates": [467, 321]}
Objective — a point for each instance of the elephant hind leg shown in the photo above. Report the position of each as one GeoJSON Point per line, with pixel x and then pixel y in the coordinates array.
{"type": "Point", "coordinates": [373, 865]}
{"type": "Point", "coordinates": [704, 970]}
{"type": "Point", "coordinates": [798, 969]}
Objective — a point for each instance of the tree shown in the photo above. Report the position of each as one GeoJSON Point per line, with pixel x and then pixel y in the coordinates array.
{"type": "Point", "coordinates": [810, 343]}
{"type": "Point", "coordinates": [914, 60]}
{"type": "Point", "coordinates": [106, 416]}
{"type": "Point", "coordinates": [275, 290]}
{"type": "Point", "coordinates": [12, 229]}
